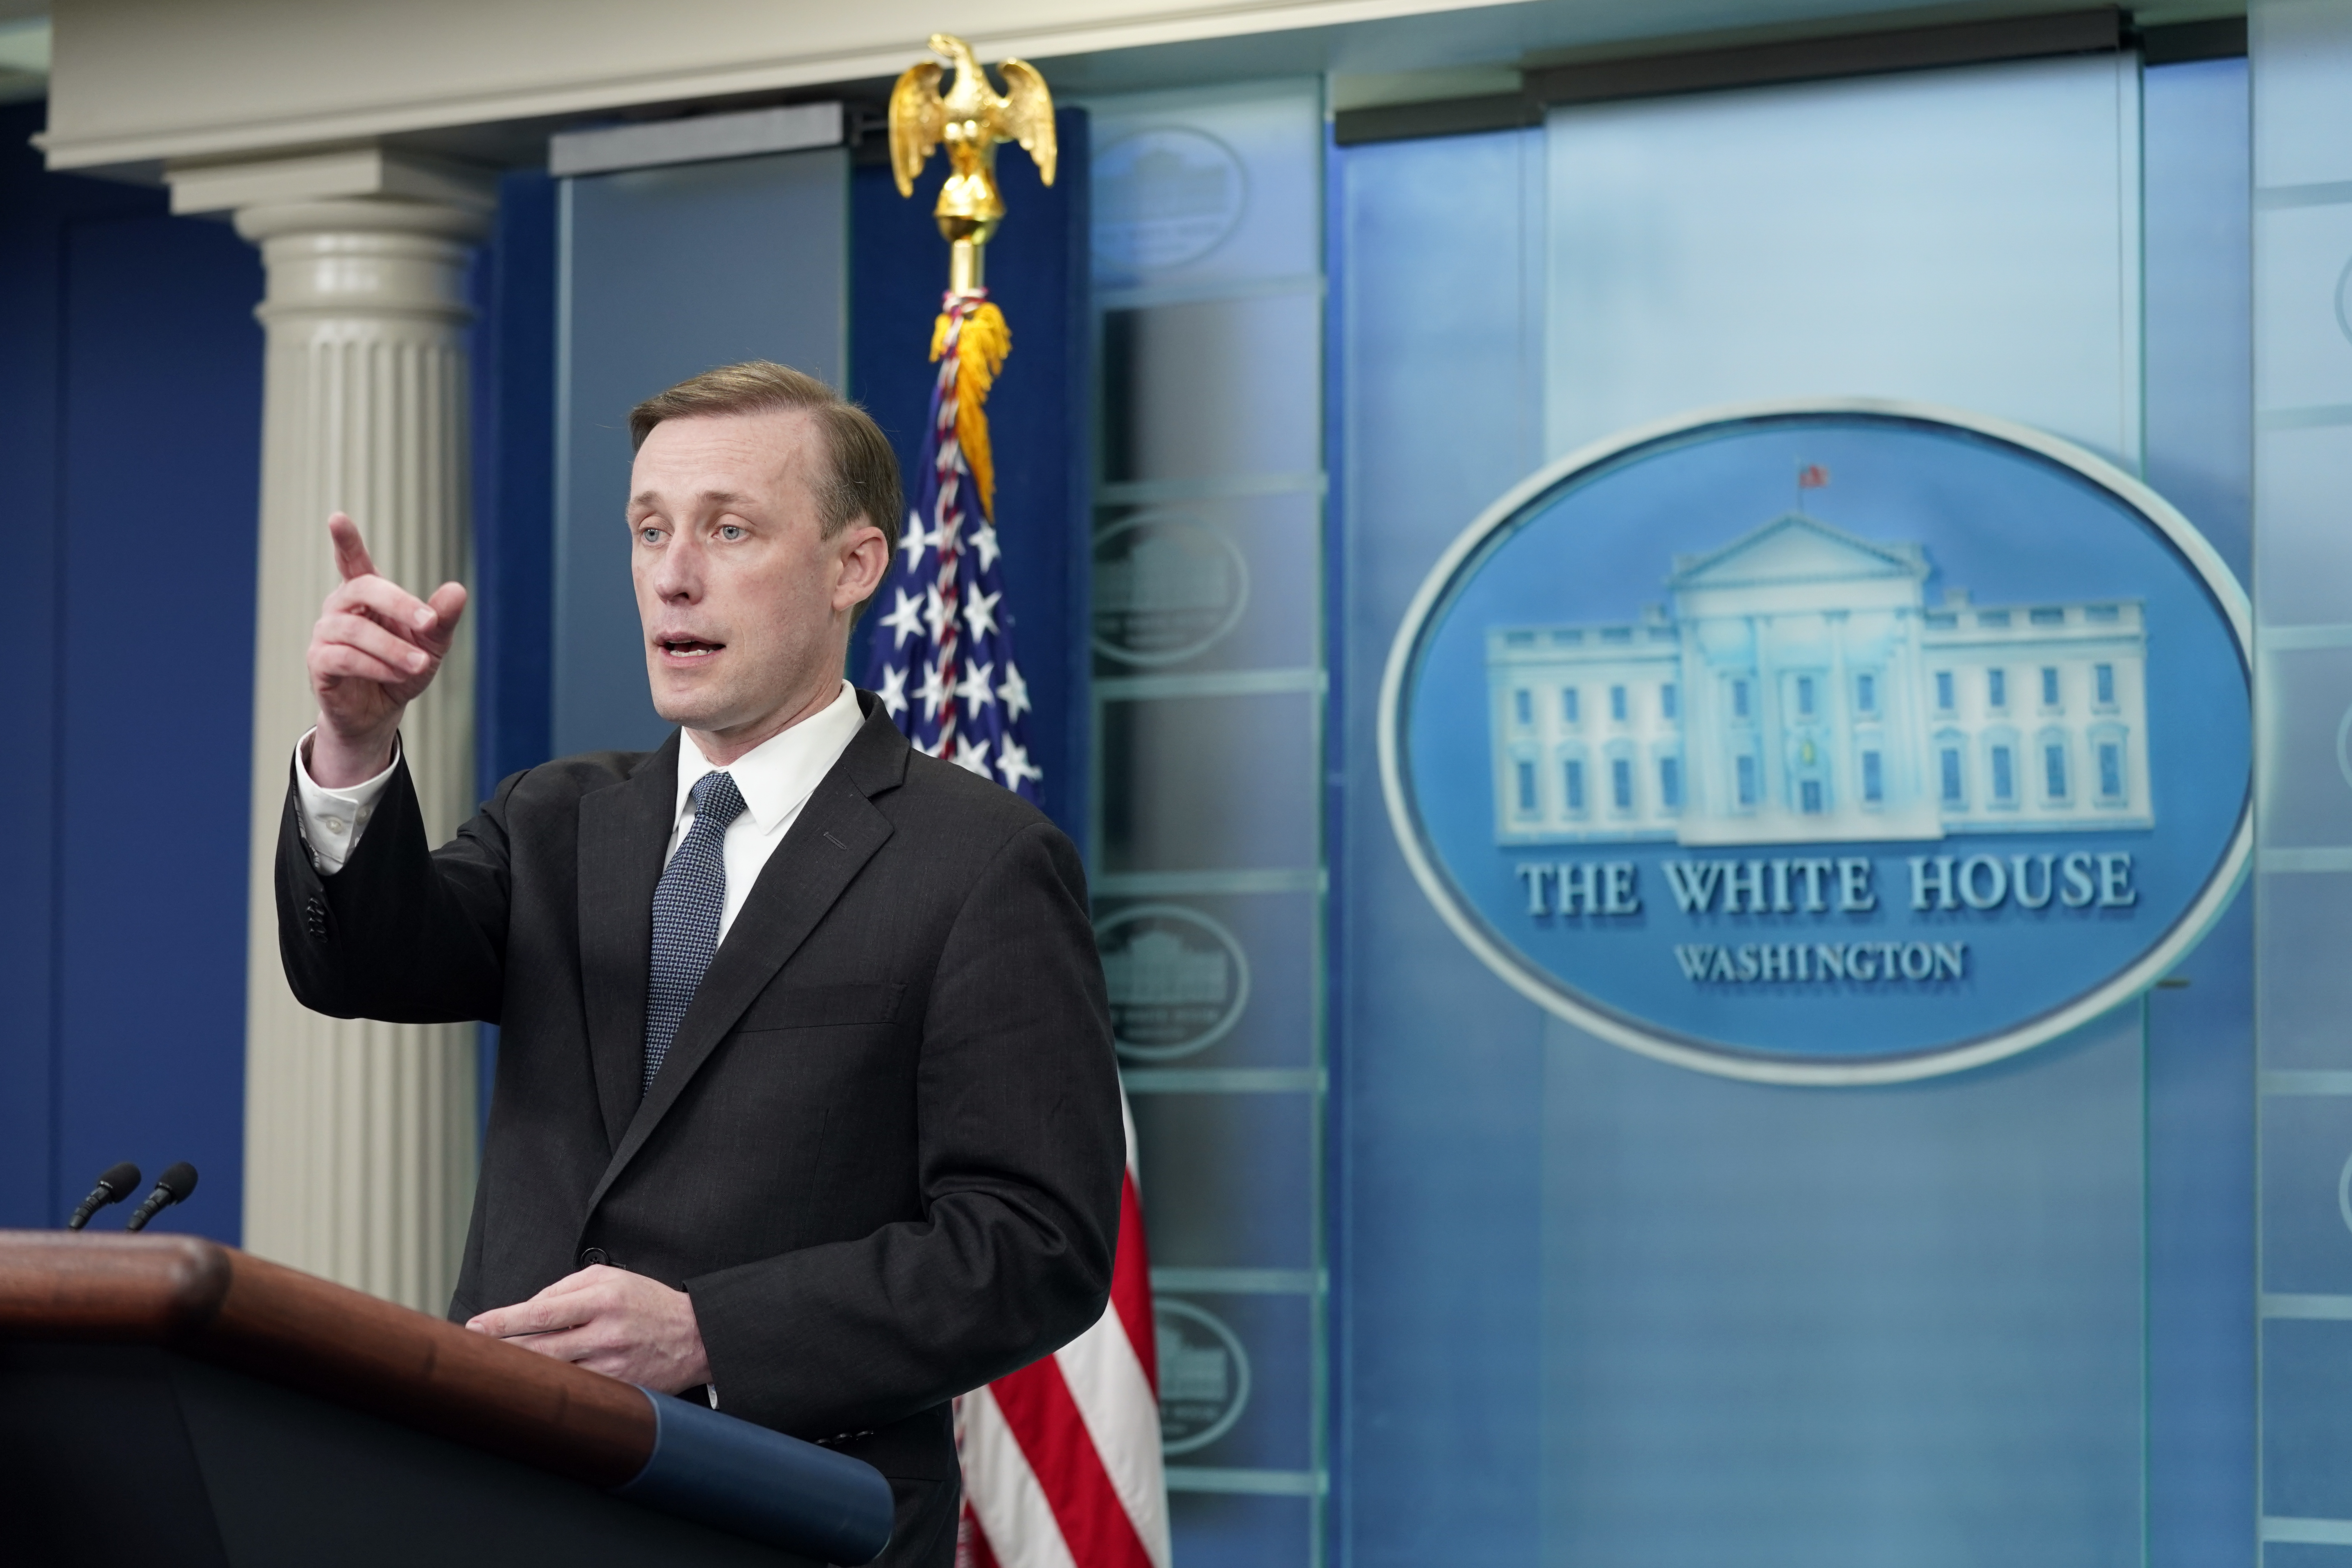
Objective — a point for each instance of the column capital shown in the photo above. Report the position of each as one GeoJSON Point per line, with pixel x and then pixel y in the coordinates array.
{"type": "Point", "coordinates": [365, 171]}
{"type": "Point", "coordinates": [363, 216]}
{"type": "Point", "coordinates": [341, 261]}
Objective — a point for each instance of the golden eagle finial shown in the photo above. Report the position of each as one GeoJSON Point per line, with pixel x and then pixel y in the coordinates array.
{"type": "Point", "coordinates": [972, 118]}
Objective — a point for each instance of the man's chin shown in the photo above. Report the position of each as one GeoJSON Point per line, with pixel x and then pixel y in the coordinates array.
{"type": "Point", "coordinates": [691, 709]}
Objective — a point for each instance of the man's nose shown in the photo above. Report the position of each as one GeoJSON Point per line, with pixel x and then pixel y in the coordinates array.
{"type": "Point", "coordinates": [678, 575]}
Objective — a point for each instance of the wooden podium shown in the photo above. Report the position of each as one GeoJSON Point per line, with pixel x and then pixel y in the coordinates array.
{"type": "Point", "coordinates": [169, 1400]}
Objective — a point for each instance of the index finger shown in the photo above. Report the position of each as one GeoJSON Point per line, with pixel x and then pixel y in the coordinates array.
{"type": "Point", "coordinates": [531, 1317]}
{"type": "Point", "coordinates": [352, 558]}
{"type": "Point", "coordinates": [393, 605]}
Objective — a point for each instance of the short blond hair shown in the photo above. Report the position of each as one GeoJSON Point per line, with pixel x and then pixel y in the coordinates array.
{"type": "Point", "coordinates": [862, 481]}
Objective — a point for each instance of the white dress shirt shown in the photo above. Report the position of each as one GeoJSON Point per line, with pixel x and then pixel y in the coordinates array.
{"type": "Point", "coordinates": [775, 778]}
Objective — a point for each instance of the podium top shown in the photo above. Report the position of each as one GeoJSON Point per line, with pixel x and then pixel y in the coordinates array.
{"type": "Point", "coordinates": [220, 1305]}
{"type": "Point", "coordinates": [227, 1307]}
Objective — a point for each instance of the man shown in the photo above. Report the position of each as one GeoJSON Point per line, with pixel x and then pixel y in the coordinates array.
{"type": "Point", "coordinates": [806, 1100]}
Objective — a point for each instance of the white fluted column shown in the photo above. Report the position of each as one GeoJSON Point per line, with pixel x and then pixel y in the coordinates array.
{"type": "Point", "coordinates": [359, 1137]}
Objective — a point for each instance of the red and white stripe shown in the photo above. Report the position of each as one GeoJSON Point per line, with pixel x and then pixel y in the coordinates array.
{"type": "Point", "coordinates": [1061, 1460]}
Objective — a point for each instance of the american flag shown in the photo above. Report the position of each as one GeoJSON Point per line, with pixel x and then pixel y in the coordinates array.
{"type": "Point", "coordinates": [942, 646]}
{"type": "Point", "coordinates": [1062, 1464]}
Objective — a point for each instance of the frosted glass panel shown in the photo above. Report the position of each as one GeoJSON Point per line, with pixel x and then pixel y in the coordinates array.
{"type": "Point", "coordinates": [1188, 389]}
{"type": "Point", "coordinates": [2303, 306]}
{"type": "Point", "coordinates": [1206, 845]}
{"type": "Point", "coordinates": [1195, 782]}
{"type": "Point", "coordinates": [2301, 61]}
{"type": "Point", "coordinates": [1958, 237]}
{"type": "Point", "coordinates": [2303, 58]}
{"type": "Point", "coordinates": [2303, 573]}
{"type": "Point", "coordinates": [1201, 189]}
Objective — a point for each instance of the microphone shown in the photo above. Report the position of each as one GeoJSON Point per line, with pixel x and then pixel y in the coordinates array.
{"type": "Point", "coordinates": [172, 1186]}
{"type": "Point", "coordinates": [112, 1188]}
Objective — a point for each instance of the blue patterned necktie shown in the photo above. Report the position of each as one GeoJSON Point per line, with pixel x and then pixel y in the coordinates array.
{"type": "Point", "coordinates": [687, 902]}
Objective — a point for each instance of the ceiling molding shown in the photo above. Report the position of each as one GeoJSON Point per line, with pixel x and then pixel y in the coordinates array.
{"type": "Point", "coordinates": [102, 116]}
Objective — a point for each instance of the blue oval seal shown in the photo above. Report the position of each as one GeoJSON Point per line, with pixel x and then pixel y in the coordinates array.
{"type": "Point", "coordinates": [1825, 742]}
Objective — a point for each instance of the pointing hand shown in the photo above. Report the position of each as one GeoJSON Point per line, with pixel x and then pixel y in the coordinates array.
{"type": "Point", "coordinates": [375, 650]}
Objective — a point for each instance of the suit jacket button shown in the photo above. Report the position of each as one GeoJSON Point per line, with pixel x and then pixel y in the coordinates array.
{"type": "Point", "coordinates": [592, 1255]}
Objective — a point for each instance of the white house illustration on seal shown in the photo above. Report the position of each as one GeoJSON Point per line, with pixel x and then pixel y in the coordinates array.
{"type": "Point", "coordinates": [1801, 690]}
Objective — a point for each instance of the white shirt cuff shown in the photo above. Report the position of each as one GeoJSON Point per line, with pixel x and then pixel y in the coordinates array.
{"type": "Point", "coordinates": [333, 819]}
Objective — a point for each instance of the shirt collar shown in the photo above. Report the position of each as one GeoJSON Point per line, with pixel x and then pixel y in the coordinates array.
{"type": "Point", "coordinates": [778, 776]}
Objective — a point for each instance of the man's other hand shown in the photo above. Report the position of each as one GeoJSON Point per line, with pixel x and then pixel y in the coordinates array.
{"type": "Point", "coordinates": [373, 651]}
{"type": "Point", "coordinates": [612, 1321]}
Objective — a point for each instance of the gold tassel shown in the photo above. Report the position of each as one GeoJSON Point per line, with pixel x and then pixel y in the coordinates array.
{"type": "Point", "coordinates": [980, 349]}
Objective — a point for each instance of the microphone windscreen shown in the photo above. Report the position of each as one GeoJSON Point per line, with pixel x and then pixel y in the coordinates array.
{"type": "Point", "coordinates": [179, 1181]}
{"type": "Point", "coordinates": [120, 1179]}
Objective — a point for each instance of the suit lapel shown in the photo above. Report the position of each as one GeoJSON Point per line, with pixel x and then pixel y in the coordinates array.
{"type": "Point", "coordinates": [624, 830]}
{"type": "Point", "coordinates": [837, 832]}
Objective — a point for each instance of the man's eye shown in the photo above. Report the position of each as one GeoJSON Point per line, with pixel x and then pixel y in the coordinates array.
{"type": "Point", "coordinates": [729, 531]}
{"type": "Point", "coordinates": [649, 535]}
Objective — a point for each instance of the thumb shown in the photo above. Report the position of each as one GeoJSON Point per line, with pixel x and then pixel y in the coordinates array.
{"type": "Point", "coordinates": [448, 606]}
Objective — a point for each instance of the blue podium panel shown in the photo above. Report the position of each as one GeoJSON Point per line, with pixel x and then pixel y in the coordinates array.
{"type": "Point", "coordinates": [663, 273]}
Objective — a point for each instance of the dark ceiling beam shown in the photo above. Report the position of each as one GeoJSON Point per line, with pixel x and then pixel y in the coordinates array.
{"type": "Point", "coordinates": [2098, 30]}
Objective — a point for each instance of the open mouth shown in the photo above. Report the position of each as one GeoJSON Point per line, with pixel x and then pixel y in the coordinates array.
{"type": "Point", "coordinates": [690, 647]}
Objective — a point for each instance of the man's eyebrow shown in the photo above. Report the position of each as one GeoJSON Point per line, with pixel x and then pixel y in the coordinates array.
{"type": "Point", "coordinates": [708, 497]}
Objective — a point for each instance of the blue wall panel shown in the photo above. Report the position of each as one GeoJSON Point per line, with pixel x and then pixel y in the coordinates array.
{"type": "Point", "coordinates": [2200, 1082]}
{"type": "Point", "coordinates": [162, 397]}
{"type": "Point", "coordinates": [514, 501]}
{"type": "Point", "coordinates": [34, 208]}
{"type": "Point", "coordinates": [514, 477]}
{"type": "Point", "coordinates": [131, 402]}
{"type": "Point", "coordinates": [1846, 1326]}
{"type": "Point", "coordinates": [1437, 1070]}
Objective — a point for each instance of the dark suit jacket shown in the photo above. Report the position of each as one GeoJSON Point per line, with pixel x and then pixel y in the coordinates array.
{"type": "Point", "coordinates": [884, 1152]}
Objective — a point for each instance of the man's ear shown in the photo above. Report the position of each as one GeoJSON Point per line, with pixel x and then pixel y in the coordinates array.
{"type": "Point", "coordinates": [865, 557]}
